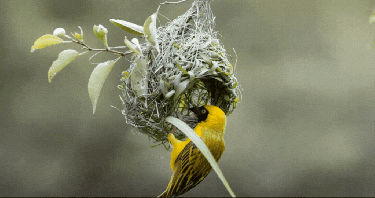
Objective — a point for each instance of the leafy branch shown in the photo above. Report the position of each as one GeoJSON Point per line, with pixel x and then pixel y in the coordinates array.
{"type": "Point", "coordinates": [100, 73]}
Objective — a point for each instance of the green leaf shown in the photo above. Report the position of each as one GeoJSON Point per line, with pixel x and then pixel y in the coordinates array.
{"type": "Point", "coordinates": [169, 94]}
{"type": "Point", "coordinates": [101, 32]}
{"type": "Point", "coordinates": [235, 101]}
{"type": "Point", "coordinates": [79, 36]}
{"type": "Point", "coordinates": [150, 31]}
{"type": "Point", "coordinates": [182, 69]}
{"type": "Point", "coordinates": [127, 26]}
{"type": "Point", "coordinates": [135, 47]}
{"type": "Point", "coordinates": [59, 32]}
{"type": "Point", "coordinates": [208, 60]}
{"type": "Point", "coordinates": [190, 133]}
{"type": "Point", "coordinates": [372, 17]}
{"type": "Point", "coordinates": [64, 58]}
{"type": "Point", "coordinates": [163, 86]}
{"type": "Point", "coordinates": [138, 77]}
{"type": "Point", "coordinates": [97, 78]}
{"type": "Point", "coordinates": [45, 41]}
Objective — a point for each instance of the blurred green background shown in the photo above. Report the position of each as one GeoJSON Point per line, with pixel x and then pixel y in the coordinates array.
{"type": "Point", "coordinates": [305, 125]}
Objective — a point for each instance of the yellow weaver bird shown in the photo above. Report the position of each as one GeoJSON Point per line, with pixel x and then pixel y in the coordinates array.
{"type": "Point", "coordinates": [188, 164]}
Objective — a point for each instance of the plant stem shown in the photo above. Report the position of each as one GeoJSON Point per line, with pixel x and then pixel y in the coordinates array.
{"type": "Point", "coordinates": [170, 2]}
{"type": "Point", "coordinates": [101, 50]}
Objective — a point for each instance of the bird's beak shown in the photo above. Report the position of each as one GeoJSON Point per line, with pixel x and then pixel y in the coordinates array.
{"type": "Point", "coordinates": [195, 110]}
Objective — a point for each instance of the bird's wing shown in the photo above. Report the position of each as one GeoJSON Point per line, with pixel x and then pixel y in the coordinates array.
{"type": "Point", "coordinates": [191, 169]}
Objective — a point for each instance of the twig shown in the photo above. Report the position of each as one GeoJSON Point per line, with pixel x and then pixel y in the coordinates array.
{"type": "Point", "coordinates": [171, 2]}
{"type": "Point", "coordinates": [101, 50]}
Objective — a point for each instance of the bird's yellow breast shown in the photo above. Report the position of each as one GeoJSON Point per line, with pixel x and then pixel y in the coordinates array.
{"type": "Point", "coordinates": [178, 146]}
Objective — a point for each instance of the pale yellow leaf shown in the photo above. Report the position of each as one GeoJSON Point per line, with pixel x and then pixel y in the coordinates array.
{"type": "Point", "coordinates": [132, 46]}
{"type": "Point", "coordinates": [79, 36]}
{"type": "Point", "coordinates": [64, 58]}
{"type": "Point", "coordinates": [127, 26]}
{"type": "Point", "coordinates": [59, 32]}
{"type": "Point", "coordinates": [45, 41]}
{"type": "Point", "coordinates": [97, 78]}
{"type": "Point", "coordinates": [138, 77]}
{"type": "Point", "coordinates": [101, 32]}
{"type": "Point", "coordinates": [136, 42]}
{"type": "Point", "coordinates": [150, 31]}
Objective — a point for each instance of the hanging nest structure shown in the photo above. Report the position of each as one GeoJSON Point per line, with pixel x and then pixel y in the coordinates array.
{"type": "Point", "coordinates": [188, 67]}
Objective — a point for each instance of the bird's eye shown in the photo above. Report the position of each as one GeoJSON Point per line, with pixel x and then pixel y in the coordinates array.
{"type": "Point", "coordinates": [204, 111]}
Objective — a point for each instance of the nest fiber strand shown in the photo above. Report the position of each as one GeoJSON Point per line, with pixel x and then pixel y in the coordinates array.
{"type": "Point", "coordinates": [192, 69]}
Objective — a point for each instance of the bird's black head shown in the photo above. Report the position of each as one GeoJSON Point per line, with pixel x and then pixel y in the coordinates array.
{"type": "Point", "coordinates": [201, 113]}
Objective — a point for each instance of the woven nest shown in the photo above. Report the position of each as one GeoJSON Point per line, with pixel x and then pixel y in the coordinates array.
{"type": "Point", "coordinates": [192, 69]}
